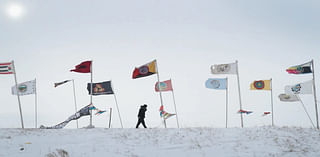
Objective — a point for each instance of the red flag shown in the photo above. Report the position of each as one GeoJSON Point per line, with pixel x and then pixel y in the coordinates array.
{"type": "Point", "coordinates": [84, 67]}
{"type": "Point", "coordinates": [163, 86]}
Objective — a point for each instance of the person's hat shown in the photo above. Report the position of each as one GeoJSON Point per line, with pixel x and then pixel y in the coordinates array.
{"type": "Point", "coordinates": [145, 105]}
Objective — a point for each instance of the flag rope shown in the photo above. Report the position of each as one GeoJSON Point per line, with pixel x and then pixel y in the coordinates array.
{"type": "Point", "coordinates": [75, 100]}
{"type": "Point", "coordinates": [239, 94]}
{"type": "Point", "coordinates": [315, 95]}
{"type": "Point", "coordinates": [175, 107]}
{"type": "Point", "coordinates": [305, 110]}
{"type": "Point", "coordinates": [160, 93]}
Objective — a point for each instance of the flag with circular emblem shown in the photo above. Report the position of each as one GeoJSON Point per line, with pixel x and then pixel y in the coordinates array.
{"type": "Point", "coordinates": [260, 85]}
{"type": "Point", "coordinates": [163, 86]}
{"type": "Point", "coordinates": [288, 97]}
{"type": "Point", "coordinates": [145, 70]}
{"type": "Point", "coordinates": [230, 68]}
{"type": "Point", "coordinates": [300, 88]}
{"type": "Point", "coordinates": [216, 83]}
{"type": "Point", "coordinates": [25, 88]}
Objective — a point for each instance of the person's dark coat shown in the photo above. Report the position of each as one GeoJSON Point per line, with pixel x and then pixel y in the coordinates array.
{"type": "Point", "coordinates": [141, 116]}
{"type": "Point", "coordinates": [142, 112]}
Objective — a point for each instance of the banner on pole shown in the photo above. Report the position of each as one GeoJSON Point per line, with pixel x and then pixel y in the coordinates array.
{"type": "Point", "coordinates": [25, 88]}
{"type": "Point", "coordinates": [216, 83]}
{"type": "Point", "coordinates": [304, 68]}
{"type": "Point", "coordinates": [83, 67]}
{"type": "Point", "coordinates": [6, 68]}
{"type": "Point", "coordinates": [145, 70]}
{"type": "Point", "coordinates": [300, 88]}
{"type": "Point", "coordinates": [165, 114]}
{"type": "Point", "coordinates": [244, 111]}
{"type": "Point", "coordinates": [85, 111]}
{"type": "Point", "coordinates": [61, 83]}
{"type": "Point", "coordinates": [260, 85]}
{"type": "Point", "coordinates": [163, 86]}
{"type": "Point", "coordinates": [230, 68]}
{"type": "Point", "coordinates": [102, 88]}
{"type": "Point", "coordinates": [288, 98]}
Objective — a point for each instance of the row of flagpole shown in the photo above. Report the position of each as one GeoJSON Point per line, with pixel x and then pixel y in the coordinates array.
{"type": "Point", "coordinates": [86, 67]}
{"type": "Point", "coordinates": [146, 70]}
{"type": "Point", "coordinates": [232, 68]}
{"type": "Point", "coordinates": [83, 70]}
{"type": "Point", "coordinates": [9, 68]}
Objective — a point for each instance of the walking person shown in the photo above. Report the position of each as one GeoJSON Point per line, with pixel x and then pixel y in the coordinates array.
{"type": "Point", "coordinates": [141, 116]}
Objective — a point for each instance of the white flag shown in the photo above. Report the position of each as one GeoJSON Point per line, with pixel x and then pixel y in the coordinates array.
{"type": "Point", "coordinates": [300, 88]}
{"type": "Point", "coordinates": [288, 98]}
{"type": "Point", "coordinates": [25, 88]}
{"type": "Point", "coordinates": [230, 68]}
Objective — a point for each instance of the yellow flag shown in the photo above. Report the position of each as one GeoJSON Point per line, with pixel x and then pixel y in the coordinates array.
{"type": "Point", "coordinates": [260, 85]}
{"type": "Point", "coordinates": [152, 67]}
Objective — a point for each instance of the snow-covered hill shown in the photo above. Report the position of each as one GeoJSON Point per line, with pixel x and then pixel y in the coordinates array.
{"type": "Point", "coordinates": [97, 142]}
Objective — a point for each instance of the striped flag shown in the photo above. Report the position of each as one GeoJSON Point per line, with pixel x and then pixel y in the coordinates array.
{"type": "Point", "coordinates": [300, 69]}
{"type": "Point", "coordinates": [100, 112]}
{"type": "Point", "coordinates": [165, 114]}
{"type": "Point", "coordinates": [6, 68]}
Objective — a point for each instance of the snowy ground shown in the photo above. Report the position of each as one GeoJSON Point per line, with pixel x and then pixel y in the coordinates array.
{"type": "Point", "coordinates": [97, 142]}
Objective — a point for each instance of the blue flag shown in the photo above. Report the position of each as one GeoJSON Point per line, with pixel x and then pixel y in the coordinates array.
{"type": "Point", "coordinates": [216, 83]}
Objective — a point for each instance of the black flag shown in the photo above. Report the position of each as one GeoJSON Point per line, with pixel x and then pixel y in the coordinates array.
{"type": "Point", "coordinates": [102, 88]}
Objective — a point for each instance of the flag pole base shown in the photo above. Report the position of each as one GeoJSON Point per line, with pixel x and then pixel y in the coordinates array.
{"type": "Point", "coordinates": [89, 126]}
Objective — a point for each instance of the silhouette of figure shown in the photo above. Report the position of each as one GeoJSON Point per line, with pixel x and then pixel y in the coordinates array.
{"type": "Point", "coordinates": [141, 116]}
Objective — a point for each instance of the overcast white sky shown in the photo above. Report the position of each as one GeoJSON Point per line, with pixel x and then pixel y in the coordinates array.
{"type": "Point", "coordinates": [185, 36]}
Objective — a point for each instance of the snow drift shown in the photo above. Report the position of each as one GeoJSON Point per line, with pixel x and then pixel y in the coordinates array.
{"type": "Point", "coordinates": [186, 142]}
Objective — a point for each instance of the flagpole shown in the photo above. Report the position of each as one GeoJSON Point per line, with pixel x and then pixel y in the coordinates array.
{"type": "Point", "coordinates": [75, 101]}
{"type": "Point", "coordinates": [18, 95]}
{"type": "Point", "coordinates": [315, 95]}
{"type": "Point", "coordinates": [226, 102]}
{"type": "Point", "coordinates": [91, 95]}
{"type": "Point", "coordinates": [174, 102]}
{"type": "Point", "coordinates": [115, 99]}
{"type": "Point", "coordinates": [271, 102]}
{"type": "Point", "coordinates": [239, 94]}
{"type": "Point", "coordinates": [36, 104]}
{"type": "Point", "coordinates": [160, 93]}
{"type": "Point", "coordinates": [110, 117]}
{"type": "Point", "coordinates": [305, 110]}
